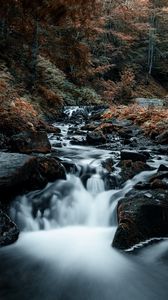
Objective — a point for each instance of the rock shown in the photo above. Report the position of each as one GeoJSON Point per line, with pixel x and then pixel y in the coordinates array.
{"type": "Point", "coordinates": [69, 166]}
{"type": "Point", "coordinates": [163, 168]}
{"type": "Point", "coordinates": [28, 142]}
{"type": "Point", "coordinates": [131, 168]}
{"type": "Point", "coordinates": [90, 127]}
{"type": "Point", "coordinates": [133, 155]}
{"type": "Point", "coordinates": [162, 138]}
{"type": "Point", "coordinates": [51, 169]}
{"type": "Point", "coordinates": [141, 218]}
{"type": "Point", "coordinates": [111, 182]}
{"type": "Point", "coordinates": [20, 173]}
{"type": "Point", "coordinates": [106, 128]}
{"type": "Point", "coordinates": [77, 141]}
{"type": "Point", "coordinates": [3, 141]}
{"type": "Point", "coordinates": [8, 230]}
{"type": "Point", "coordinates": [95, 138]}
{"type": "Point", "coordinates": [150, 102]}
{"type": "Point", "coordinates": [57, 144]}
{"type": "Point", "coordinates": [159, 175]}
{"type": "Point", "coordinates": [96, 116]}
{"type": "Point", "coordinates": [108, 164]}
{"type": "Point", "coordinates": [157, 181]}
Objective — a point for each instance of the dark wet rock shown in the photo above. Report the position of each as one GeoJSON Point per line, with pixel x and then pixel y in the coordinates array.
{"type": "Point", "coordinates": [163, 168]}
{"type": "Point", "coordinates": [155, 184]}
{"type": "Point", "coordinates": [133, 155]}
{"type": "Point", "coordinates": [96, 116]}
{"type": "Point", "coordinates": [3, 141]}
{"type": "Point", "coordinates": [107, 128]}
{"type": "Point", "coordinates": [57, 144]}
{"type": "Point", "coordinates": [111, 181]}
{"type": "Point", "coordinates": [50, 169]}
{"type": "Point", "coordinates": [128, 141]}
{"type": "Point", "coordinates": [159, 175]}
{"type": "Point", "coordinates": [108, 164]}
{"type": "Point", "coordinates": [142, 186]}
{"type": "Point", "coordinates": [29, 141]}
{"type": "Point", "coordinates": [84, 178]}
{"type": "Point", "coordinates": [126, 133]}
{"type": "Point", "coordinates": [162, 138]}
{"type": "Point", "coordinates": [157, 181]}
{"type": "Point", "coordinates": [70, 166]}
{"type": "Point", "coordinates": [90, 127]}
{"type": "Point", "coordinates": [20, 173]}
{"type": "Point", "coordinates": [8, 230]}
{"type": "Point", "coordinates": [53, 129]}
{"type": "Point", "coordinates": [77, 141]}
{"type": "Point", "coordinates": [131, 168]}
{"type": "Point", "coordinates": [141, 216]}
{"type": "Point", "coordinates": [95, 138]}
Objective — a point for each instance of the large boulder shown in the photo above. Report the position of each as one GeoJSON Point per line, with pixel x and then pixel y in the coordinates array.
{"type": "Point", "coordinates": [130, 168]}
{"type": "Point", "coordinates": [30, 141]}
{"type": "Point", "coordinates": [8, 230]}
{"type": "Point", "coordinates": [162, 138]}
{"type": "Point", "coordinates": [95, 138]}
{"type": "Point", "coordinates": [133, 155]}
{"type": "Point", "coordinates": [141, 216]}
{"type": "Point", "coordinates": [20, 173]}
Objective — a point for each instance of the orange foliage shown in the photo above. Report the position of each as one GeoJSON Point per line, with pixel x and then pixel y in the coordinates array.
{"type": "Point", "coordinates": [50, 97]}
{"type": "Point", "coordinates": [152, 120]}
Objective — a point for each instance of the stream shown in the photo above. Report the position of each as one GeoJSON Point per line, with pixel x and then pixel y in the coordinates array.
{"type": "Point", "coordinates": [64, 250]}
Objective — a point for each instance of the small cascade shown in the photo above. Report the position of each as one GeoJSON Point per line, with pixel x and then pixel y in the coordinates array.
{"type": "Point", "coordinates": [64, 250]}
{"type": "Point", "coordinates": [69, 202]}
{"type": "Point", "coordinates": [63, 204]}
{"type": "Point", "coordinates": [95, 184]}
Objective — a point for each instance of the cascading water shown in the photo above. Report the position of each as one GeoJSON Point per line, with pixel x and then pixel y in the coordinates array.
{"type": "Point", "coordinates": [64, 251]}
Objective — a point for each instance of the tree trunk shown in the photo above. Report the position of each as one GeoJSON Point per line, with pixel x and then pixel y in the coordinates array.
{"type": "Point", "coordinates": [35, 52]}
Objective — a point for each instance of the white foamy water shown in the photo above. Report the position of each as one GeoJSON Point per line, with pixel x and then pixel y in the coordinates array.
{"type": "Point", "coordinates": [78, 263]}
{"type": "Point", "coordinates": [64, 251]}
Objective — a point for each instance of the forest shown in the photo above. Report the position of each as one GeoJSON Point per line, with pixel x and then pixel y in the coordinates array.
{"type": "Point", "coordinates": [56, 53]}
{"type": "Point", "coordinates": [83, 149]}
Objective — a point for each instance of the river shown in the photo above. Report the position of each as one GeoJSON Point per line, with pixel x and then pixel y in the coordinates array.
{"type": "Point", "coordinates": [64, 250]}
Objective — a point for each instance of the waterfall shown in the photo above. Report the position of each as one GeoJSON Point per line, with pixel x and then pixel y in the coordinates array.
{"type": "Point", "coordinates": [64, 250]}
{"type": "Point", "coordinates": [63, 204]}
{"type": "Point", "coordinates": [95, 184]}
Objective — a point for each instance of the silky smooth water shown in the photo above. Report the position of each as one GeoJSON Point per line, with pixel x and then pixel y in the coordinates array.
{"type": "Point", "coordinates": [64, 250]}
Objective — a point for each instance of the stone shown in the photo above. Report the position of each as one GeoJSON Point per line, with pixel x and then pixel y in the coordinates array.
{"type": "Point", "coordinates": [95, 138]}
{"type": "Point", "coordinates": [133, 155]}
{"type": "Point", "coordinates": [163, 168]}
{"type": "Point", "coordinates": [51, 169]}
{"type": "Point", "coordinates": [20, 173]}
{"type": "Point", "coordinates": [162, 138]}
{"type": "Point", "coordinates": [141, 218]}
{"type": "Point", "coordinates": [8, 230]}
{"type": "Point", "coordinates": [131, 168]}
{"type": "Point", "coordinates": [3, 141]}
{"type": "Point", "coordinates": [108, 164]}
{"type": "Point", "coordinates": [29, 141]}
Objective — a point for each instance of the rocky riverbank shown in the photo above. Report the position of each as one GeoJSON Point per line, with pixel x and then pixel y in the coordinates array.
{"type": "Point", "coordinates": [29, 160]}
{"type": "Point", "coordinates": [26, 165]}
{"type": "Point", "coordinates": [142, 214]}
